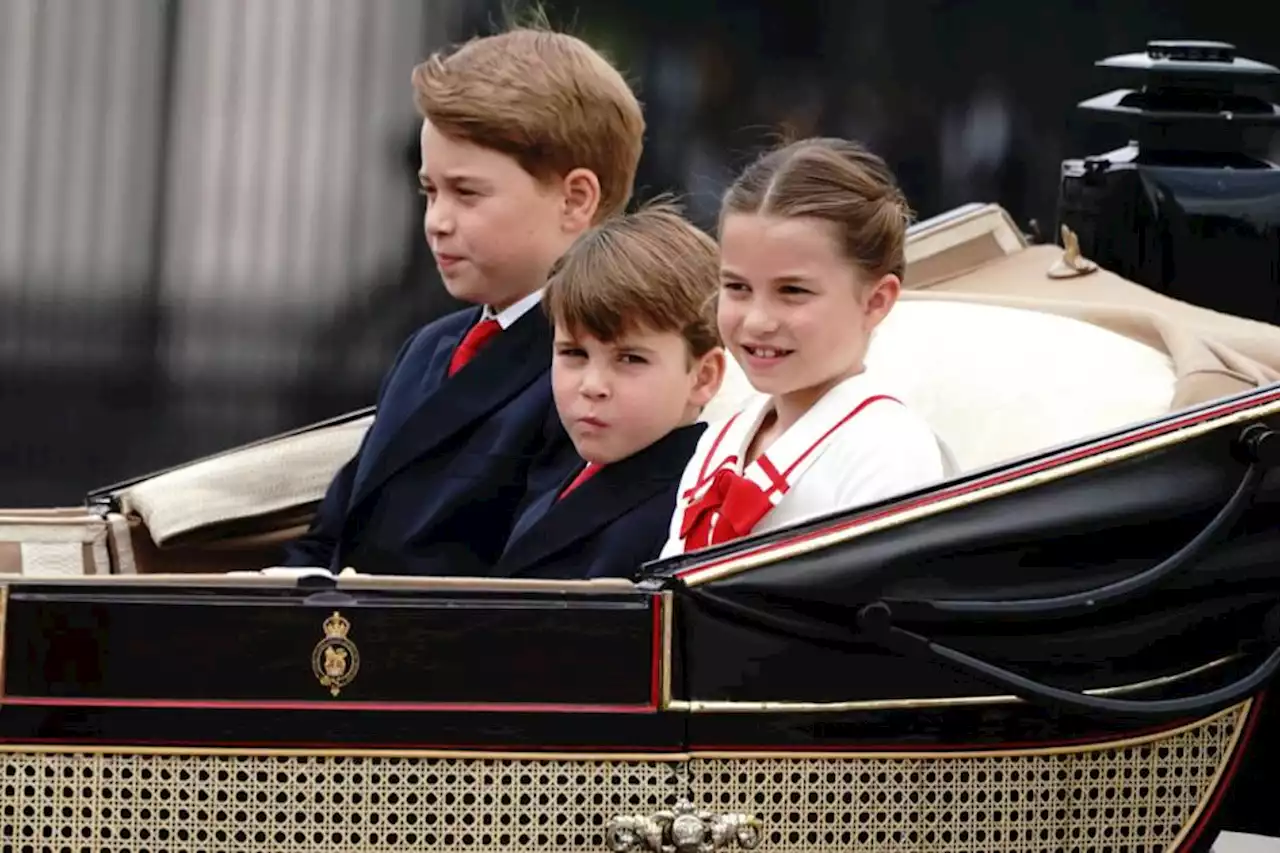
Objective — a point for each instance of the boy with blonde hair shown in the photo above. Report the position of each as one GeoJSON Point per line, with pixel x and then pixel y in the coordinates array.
{"type": "Point", "coordinates": [528, 139]}
{"type": "Point", "coordinates": [636, 359]}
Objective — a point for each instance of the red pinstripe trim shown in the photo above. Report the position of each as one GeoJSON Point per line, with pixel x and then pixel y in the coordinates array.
{"type": "Point", "coordinates": [309, 705]}
{"type": "Point", "coordinates": [655, 692]}
{"type": "Point", "coordinates": [711, 454]}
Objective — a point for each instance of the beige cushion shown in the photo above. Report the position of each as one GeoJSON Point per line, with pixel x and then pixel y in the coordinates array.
{"type": "Point", "coordinates": [975, 255]}
{"type": "Point", "coordinates": [998, 382]}
{"type": "Point", "coordinates": [256, 481]}
{"type": "Point", "coordinates": [63, 542]}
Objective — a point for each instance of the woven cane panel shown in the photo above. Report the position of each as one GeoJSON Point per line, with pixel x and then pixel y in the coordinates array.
{"type": "Point", "coordinates": [1122, 800]}
{"type": "Point", "coordinates": [291, 804]}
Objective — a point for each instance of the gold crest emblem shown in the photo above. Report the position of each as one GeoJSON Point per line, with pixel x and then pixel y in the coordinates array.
{"type": "Point", "coordinates": [335, 659]}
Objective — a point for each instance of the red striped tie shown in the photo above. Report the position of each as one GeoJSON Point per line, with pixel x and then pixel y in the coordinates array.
{"type": "Point", "coordinates": [476, 338]}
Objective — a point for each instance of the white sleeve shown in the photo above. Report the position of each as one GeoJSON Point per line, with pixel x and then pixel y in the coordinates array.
{"type": "Point", "coordinates": [675, 543]}
{"type": "Point", "coordinates": [894, 452]}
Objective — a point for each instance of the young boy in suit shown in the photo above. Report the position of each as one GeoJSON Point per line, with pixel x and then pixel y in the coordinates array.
{"type": "Point", "coordinates": [528, 139]}
{"type": "Point", "coordinates": [636, 359]}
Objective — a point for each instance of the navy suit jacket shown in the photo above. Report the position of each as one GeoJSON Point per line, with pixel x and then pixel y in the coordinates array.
{"type": "Point", "coordinates": [447, 461]}
{"type": "Point", "coordinates": [610, 525]}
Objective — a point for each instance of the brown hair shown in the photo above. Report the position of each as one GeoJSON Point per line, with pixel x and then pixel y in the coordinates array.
{"type": "Point", "coordinates": [546, 99]}
{"type": "Point", "coordinates": [838, 181]}
{"type": "Point", "coordinates": [651, 269]}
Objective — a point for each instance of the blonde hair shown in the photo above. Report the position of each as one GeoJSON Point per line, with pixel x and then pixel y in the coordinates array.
{"type": "Point", "coordinates": [837, 181]}
{"type": "Point", "coordinates": [547, 99]}
{"type": "Point", "coordinates": [651, 269]}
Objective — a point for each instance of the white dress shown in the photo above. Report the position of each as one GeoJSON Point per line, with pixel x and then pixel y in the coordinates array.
{"type": "Point", "coordinates": [857, 445]}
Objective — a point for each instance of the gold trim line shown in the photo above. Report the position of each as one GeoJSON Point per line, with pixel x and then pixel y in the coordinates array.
{"type": "Point", "coordinates": [667, 603]}
{"type": "Point", "coordinates": [1240, 710]}
{"type": "Point", "coordinates": [712, 706]}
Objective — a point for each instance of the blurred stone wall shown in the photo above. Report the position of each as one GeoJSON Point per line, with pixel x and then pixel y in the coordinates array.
{"type": "Point", "coordinates": [194, 196]}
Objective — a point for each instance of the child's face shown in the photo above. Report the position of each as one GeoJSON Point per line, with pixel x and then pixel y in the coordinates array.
{"type": "Point", "coordinates": [494, 229]}
{"type": "Point", "coordinates": [617, 398]}
{"type": "Point", "coordinates": [793, 310]}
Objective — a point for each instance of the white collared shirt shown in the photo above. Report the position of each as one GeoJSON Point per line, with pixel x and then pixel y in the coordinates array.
{"type": "Point", "coordinates": [512, 312]}
{"type": "Point", "coordinates": [883, 451]}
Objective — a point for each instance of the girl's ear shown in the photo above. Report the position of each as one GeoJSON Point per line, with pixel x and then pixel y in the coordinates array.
{"type": "Point", "coordinates": [880, 299]}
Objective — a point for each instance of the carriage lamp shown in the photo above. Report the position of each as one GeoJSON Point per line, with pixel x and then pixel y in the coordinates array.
{"type": "Point", "coordinates": [1190, 207]}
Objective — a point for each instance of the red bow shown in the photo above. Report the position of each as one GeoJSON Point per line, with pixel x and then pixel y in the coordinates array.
{"type": "Point", "coordinates": [732, 502]}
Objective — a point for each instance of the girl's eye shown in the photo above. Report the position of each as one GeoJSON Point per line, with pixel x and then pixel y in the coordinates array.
{"type": "Point", "coordinates": [736, 286]}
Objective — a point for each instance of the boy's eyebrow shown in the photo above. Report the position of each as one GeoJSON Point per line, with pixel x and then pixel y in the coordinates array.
{"type": "Point", "coordinates": [622, 345]}
{"type": "Point", "coordinates": [453, 178]}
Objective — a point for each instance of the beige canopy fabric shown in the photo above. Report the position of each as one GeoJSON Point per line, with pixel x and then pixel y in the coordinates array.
{"type": "Point", "coordinates": [1214, 354]}
{"type": "Point", "coordinates": [254, 490]}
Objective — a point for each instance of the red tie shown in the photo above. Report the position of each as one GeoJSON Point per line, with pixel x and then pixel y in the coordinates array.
{"type": "Point", "coordinates": [471, 344]}
{"type": "Point", "coordinates": [585, 474]}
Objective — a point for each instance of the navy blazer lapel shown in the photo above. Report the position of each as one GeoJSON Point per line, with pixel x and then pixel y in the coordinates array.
{"type": "Point", "coordinates": [537, 509]}
{"type": "Point", "coordinates": [500, 371]}
{"type": "Point", "coordinates": [433, 375]}
{"type": "Point", "coordinates": [551, 525]}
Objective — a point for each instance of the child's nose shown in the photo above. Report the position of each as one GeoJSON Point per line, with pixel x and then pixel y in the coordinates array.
{"type": "Point", "coordinates": [439, 217]}
{"type": "Point", "coordinates": [594, 383]}
{"type": "Point", "coordinates": [759, 320]}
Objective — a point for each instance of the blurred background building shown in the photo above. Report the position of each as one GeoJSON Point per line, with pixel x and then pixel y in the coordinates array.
{"type": "Point", "coordinates": [209, 230]}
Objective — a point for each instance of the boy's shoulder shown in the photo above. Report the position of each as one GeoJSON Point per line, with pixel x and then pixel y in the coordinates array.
{"type": "Point", "coordinates": [448, 324]}
{"type": "Point", "coordinates": [422, 342]}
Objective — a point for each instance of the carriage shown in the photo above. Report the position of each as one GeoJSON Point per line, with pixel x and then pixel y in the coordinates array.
{"type": "Point", "coordinates": [1065, 647]}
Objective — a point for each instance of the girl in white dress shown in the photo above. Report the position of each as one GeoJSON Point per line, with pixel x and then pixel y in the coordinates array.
{"type": "Point", "coordinates": [812, 242]}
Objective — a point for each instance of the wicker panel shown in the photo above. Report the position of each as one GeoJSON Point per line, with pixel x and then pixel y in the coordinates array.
{"type": "Point", "coordinates": [290, 804]}
{"type": "Point", "coordinates": [1132, 796]}
{"type": "Point", "coordinates": [1135, 796]}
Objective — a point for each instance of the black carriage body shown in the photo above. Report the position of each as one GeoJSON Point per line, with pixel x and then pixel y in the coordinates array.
{"type": "Point", "coordinates": [738, 677]}
{"type": "Point", "coordinates": [215, 663]}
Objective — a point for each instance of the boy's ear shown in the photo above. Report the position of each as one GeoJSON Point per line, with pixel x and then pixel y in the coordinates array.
{"type": "Point", "coordinates": [708, 376]}
{"type": "Point", "coordinates": [581, 200]}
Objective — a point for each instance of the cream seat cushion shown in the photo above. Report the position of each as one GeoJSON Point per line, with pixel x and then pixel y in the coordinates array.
{"type": "Point", "coordinates": [997, 382]}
